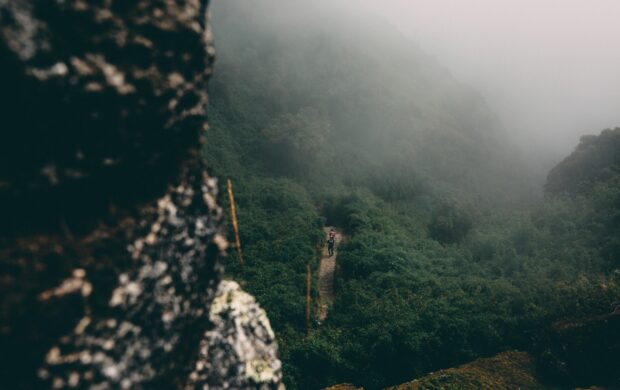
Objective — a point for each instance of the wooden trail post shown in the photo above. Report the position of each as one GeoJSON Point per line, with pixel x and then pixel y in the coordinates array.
{"type": "Point", "coordinates": [308, 285]}
{"type": "Point", "coordinates": [233, 216]}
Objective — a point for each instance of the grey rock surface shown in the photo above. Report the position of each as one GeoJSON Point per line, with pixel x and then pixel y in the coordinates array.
{"type": "Point", "coordinates": [241, 346]}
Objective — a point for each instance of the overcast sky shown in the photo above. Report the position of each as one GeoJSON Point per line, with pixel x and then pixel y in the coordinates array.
{"type": "Point", "coordinates": [550, 68]}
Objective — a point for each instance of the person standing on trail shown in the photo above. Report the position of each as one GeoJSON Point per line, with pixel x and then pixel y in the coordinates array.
{"type": "Point", "coordinates": [331, 241]}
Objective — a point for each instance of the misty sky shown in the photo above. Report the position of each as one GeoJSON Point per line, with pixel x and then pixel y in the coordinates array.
{"type": "Point", "coordinates": [549, 68]}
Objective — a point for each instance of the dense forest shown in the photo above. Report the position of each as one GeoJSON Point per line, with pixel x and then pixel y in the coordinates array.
{"type": "Point", "coordinates": [452, 251]}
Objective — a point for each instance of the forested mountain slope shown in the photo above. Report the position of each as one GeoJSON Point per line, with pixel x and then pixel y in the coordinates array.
{"type": "Point", "coordinates": [320, 121]}
{"type": "Point", "coordinates": [591, 175]}
{"type": "Point", "coordinates": [332, 99]}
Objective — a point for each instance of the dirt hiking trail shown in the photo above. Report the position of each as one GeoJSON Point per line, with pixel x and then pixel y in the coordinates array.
{"type": "Point", "coordinates": [326, 275]}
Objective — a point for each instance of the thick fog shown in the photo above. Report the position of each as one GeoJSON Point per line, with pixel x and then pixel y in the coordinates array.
{"type": "Point", "coordinates": [549, 68]}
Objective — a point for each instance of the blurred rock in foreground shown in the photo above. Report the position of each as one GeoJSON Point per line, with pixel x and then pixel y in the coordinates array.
{"type": "Point", "coordinates": [111, 243]}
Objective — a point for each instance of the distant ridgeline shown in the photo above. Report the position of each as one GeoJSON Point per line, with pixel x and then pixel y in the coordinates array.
{"type": "Point", "coordinates": [320, 119]}
{"type": "Point", "coordinates": [591, 176]}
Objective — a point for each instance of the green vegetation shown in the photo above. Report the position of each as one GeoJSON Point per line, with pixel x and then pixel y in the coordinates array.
{"type": "Point", "coordinates": [449, 257]}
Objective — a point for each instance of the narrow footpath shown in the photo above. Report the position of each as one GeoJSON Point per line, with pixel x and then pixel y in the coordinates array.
{"type": "Point", "coordinates": [326, 276]}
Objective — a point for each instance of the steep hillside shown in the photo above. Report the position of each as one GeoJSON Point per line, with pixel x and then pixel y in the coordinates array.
{"type": "Point", "coordinates": [374, 101]}
{"type": "Point", "coordinates": [590, 176]}
{"type": "Point", "coordinates": [322, 119]}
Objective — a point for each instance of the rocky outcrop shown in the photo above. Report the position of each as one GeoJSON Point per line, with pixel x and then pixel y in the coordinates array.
{"type": "Point", "coordinates": [111, 246]}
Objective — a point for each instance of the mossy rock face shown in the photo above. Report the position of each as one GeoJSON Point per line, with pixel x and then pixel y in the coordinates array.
{"type": "Point", "coordinates": [508, 370]}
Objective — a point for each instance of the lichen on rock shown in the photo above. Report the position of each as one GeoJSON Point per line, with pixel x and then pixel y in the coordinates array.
{"type": "Point", "coordinates": [241, 346]}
